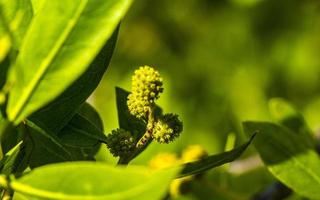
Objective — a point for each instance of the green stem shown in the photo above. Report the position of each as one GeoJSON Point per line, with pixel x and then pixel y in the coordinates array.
{"type": "Point", "coordinates": [144, 141]}
{"type": "Point", "coordinates": [147, 136]}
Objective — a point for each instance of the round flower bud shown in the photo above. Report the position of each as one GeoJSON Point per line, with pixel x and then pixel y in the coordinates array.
{"type": "Point", "coordinates": [147, 84]}
{"type": "Point", "coordinates": [120, 142]}
{"type": "Point", "coordinates": [137, 107]}
{"type": "Point", "coordinates": [167, 128]}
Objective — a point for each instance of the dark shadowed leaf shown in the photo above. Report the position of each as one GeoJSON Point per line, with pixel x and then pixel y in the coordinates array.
{"type": "Point", "coordinates": [212, 161]}
{"type": "Point", "coordinates": [7, 163]}
{"type": "Point", "coordinates": [83, 135]}
{"type": "Point", "coordinates": [125, 119]}
{"type": "Point", "coordinates": [80, 132]}
{"type": "Point", "coordinates": [46, 148]}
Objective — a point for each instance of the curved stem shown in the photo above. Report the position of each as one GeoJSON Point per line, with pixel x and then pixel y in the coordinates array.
{"type": "Point", "coordinates": [150, 125]}
{"type": "Point", "coordinates": [143, 141]}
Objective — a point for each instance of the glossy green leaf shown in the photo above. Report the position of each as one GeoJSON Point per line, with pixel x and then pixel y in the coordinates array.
{"type": "Point", "coordinates": [212, 161]}
{"type": "Point", "coordinates": [91, 114]}
{"type": "Point", "coordinates": [64, 39]}
{"type": "Point", "coordinates": [50, 118]}
{"type": "Point", "coordinates": [80, 132]}
{"type": "Point", "coordinates": [46, 148]}
{"type": "Point", "coordinates": [94, 181]}
{"type": "Point", "coordinates": [84, 134]}
{"type": "Point", "coordinates": [288, 156]}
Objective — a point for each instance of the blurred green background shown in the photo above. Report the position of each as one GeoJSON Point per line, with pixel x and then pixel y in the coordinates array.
{"type": "Point", "coordinates": [222, 61]}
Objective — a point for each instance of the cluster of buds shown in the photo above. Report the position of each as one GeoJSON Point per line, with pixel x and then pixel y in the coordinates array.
{"type": "Point", "coordinates": [146, 88]}
{"type": "Point", "coordinates": [167, 128]}
{"type": "Point", "coordinates": [120, 142]}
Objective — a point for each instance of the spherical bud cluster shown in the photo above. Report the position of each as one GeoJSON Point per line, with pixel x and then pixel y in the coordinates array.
{"type": "Point", "coordinates": [167, 128]}
{"type": "Point", "coordinates": [120, 142]}
{"type": "Point", "coordinates": [137, 107]}
{"type": "Point", "coordinates": [147, 84]}
{"type": "Point", "coordinates": [146, 88]}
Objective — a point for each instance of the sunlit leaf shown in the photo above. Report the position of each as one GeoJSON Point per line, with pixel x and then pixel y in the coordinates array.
{"type": "Point", "coordinates": [288, 156]}
{"type": "Point", "coordinates": [64, 39]}
{"type": "Point", "coordinates": [94, 181]}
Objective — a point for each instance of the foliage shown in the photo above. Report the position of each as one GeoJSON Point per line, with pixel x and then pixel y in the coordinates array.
{"type": "Point", "coordinates": [52, 57]}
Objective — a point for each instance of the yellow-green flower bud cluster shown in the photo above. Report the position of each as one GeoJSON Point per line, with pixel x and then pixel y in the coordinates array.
{"type": "Point", "coordinates": [137, 106]}
{"type": "Point", "coordinates": [120, 142]}
{"type": "Point", "coordinates": [146, 88]}
{"type": "Point", "coordinates": [167, 128]}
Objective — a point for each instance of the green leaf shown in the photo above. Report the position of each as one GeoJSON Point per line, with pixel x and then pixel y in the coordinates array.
{"type": "Point", "coordinates": [46, 148]}
{"type": "Point", "coordinates": [125, 119]}
{"type": "Point", "coordinates": [9, 139]}
{"type": "Point", "coordinates": [49, 117]}
{"type": "Point", "coordinates": [91, 114]}
{"type": "Point", "coordinates": [36, 5]}
{"type": "Point", "coordinates": [8, 135]}
{"type": "Point", "coordinates": [285, 114]}
{"type": "Point", "coordinates": [213, 161]}
{"type": "Point", "coordinates": [94, 181]}
{"type": "Point", "coordinates": [288, 156]}
{"type": "Point", "coordinates": [64, 38]}
{"type": "Point", "coordinates": [5, 44]}
{"type": "Point", "coordinates": [80, 132]}
{"type": "Point", "coordinates": [8, 162]}
{"type": "Point", "coordinates": [16, 16]}
{"type": "Point", "coordinates": [84, 134]}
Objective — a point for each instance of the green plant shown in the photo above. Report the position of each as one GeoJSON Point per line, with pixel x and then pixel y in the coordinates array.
{"type": "Point", "coordinates": [52, 57]}
{"type": "Point", "coordinates": [288, 149]}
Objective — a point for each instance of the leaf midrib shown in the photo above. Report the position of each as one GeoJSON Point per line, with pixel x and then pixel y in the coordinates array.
{"type": "Point", "coordinates": [44, 66]}
{"type": "Point", "coordinates": [26, 189]}
{"type": "Point", "coordinates": [92, 136]}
